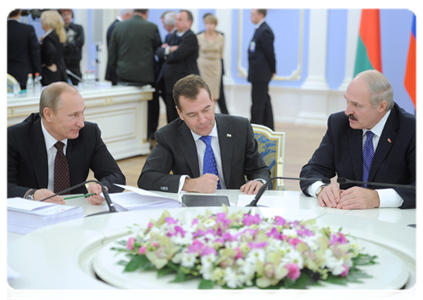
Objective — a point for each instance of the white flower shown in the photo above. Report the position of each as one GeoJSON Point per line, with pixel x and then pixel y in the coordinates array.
{"type": "Point", "coordinates": [336, 266]}
{"type": "Point", "coordinates": [188, 260]}
{"type": "Point", "coordinates": [233, 279]}
{"type": "Point", "coordinates": [248, 269]}
{"type": "Point", "coordinates": [178, 239]}
{"type": "Point", "coordinates": [290, 233]}
{"type": "Point", "coordinates": [177, 258]}
{"type": "Point", "coordinates": [255, 254]}
{"type": "Point", "coordinates": [293, 257]}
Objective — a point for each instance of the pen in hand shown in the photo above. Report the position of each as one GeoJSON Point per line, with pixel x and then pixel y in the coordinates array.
{"type": "Point", "coordinates": [80, 196]}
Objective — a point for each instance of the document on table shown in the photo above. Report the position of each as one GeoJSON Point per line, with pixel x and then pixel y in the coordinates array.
{"type": "Point", "coordinates": [138, 199]}
{"type": "Point", "coordinates": [24, 216]}
{"type": "Point", "coordinates": [268, 201]}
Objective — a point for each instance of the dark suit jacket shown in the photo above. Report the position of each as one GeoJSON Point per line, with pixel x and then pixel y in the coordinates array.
{"type": "Point", "coordinates": [110, 74]}
{"type": "Point", "coordinates": [340, 153]}
{"type": "Point", "coordinates": [72, 52]}
{"type": "Point", "coordinates": [23, 51]}
{"type": "Point", "coordinates": [27, 158]}
{"type": "Point", "coordinates": [52, 53]}
{"type": "Point", "coordinates": [181, 62]}
{"type": "Point", "coordinates": [262, 61]}
{"type": "Point", "coordinates": [176, 151]}
{"type": "Point", "coordinates": [131, 52]}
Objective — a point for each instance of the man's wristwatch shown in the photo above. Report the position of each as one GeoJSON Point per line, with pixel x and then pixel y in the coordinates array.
{"type": "Point", "coordinates": [320, 189]}
{"type": "Point", "coordinates": [30, 194]}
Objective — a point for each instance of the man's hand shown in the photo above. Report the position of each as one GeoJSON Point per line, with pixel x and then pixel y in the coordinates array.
{"type": "Point", "coordinates": [358, 198]}
{"type": "Point", "coordinates": [330, 195]}
{"type": "Point", "coordinates": [165, 45]}
{"type": "Point", "coordinates": [96, 199]}
{"type": "Point", "coordinates": [206, 183]}
{"type": "Point", "coordinates": [44, 193]}
{"type": "Point", "coordinates": [252, 187]}
{"type": "Point", "coordinates": [173, 48]}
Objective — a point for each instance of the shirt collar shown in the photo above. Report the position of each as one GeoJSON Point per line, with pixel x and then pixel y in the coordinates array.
{"type": "Point", "coordinates": [181, 33]}
{"type": "Point", "coordinates": [49, 140]}
{"type": "Point", "coordinates": [119, 18]}
{"type": "Point", "coordinates": [47, 33]}
{"type": "Point", "coordinates": [213, 133]}
{"type": "Point", "coordinates": [378, 128]}
{"type": "Point", "coordinates": [259, 23]}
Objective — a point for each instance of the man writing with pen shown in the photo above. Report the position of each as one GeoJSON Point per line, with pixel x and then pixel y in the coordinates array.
{"type": "Point", "coordinates": [54, 149]}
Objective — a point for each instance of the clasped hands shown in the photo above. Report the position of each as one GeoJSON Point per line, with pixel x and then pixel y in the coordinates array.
{"type": "Point", "coordinates": [352, 198]}
{"type": "Point", "coordinates": [97, 199]}
{"type": "Point", "coordinates": [207, 183]}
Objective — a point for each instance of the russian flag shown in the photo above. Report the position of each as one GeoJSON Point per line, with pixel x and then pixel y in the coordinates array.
{"type": "Point", "coordinates": [368, 49]}
{"type": "Point", "coordinates": [410, 71]}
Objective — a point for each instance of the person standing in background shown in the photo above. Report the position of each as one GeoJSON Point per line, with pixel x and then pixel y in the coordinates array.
{"type": "Point", "coordinates": [23, 50]}
{"type": "Point", "coordinates": [210, 55]}
{"type": "Point", "coordinates": [51, 44]}
{"type": "Point", "coordinates": [125, 14]}
{"type": "Point", "coordinates": [261, 69]}
{"type": "Point", "coordinates": [131, 52]}
{"type": "Point", "coordinates": [72, 52]}
{"type": "Point", "coordinates": [180, 56]}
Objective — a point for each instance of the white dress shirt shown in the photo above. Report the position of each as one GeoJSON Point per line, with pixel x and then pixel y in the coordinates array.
{"type": "Point", "coordinates": [387, 197]}
{"type": "Point", "coordinates": [51, 154]}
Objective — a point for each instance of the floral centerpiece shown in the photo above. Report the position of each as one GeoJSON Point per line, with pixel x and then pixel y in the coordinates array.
{"type": "Point", "coordinates": [242, 249]}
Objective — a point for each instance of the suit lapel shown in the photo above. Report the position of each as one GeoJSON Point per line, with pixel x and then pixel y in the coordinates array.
{"type": "Point", "coordinates": [37, 152]}
{"type": "Point", "coordinates": [75, 155]}
{"type": "Point", "coordinates": [389, 135]}
{"type": "Point", "coordinates": [226, 147]}
{"type": "Point", "coordinates": [355, 139]}
{"type": "Point", "coordinates": [189, 149]}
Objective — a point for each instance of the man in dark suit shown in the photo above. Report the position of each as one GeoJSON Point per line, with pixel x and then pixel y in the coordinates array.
{"type": "Point", "coordinates": [32, 149]}
{"type": "Point", "coordinates": [72, 50]}
{"type": "Point", "coordinates": [261, 69]}
{"type": "Point", "coordinates": [131, 52]}
{"type": "Point", "coordinates": [125, 14]}
{"type": "Point", "coordinates": [180, 147]}
{"type": "Point", "coordinates": [23, 49]}
{"type": "Point", "coordinates": [373, 134]}
{"type": "Point", "coordinates": [180, 59]}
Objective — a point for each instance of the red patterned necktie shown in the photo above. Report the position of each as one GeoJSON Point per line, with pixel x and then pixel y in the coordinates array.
{"type": "Point", "coordinates": [61, 169]}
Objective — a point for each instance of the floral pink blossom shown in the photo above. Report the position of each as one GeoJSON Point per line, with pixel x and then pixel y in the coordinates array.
{"type": "Point", "coordinates": [274, 233]}
{"type": "Point", "coordinates": [238, 253]}
{"type": "Point", "coordinates": [141, 250]}
{"type": "Point", "coordinates": [279, 221]}
{"type": "Point", "coordinates": [293, 271]}
{"type": "Point", "coordinates": [346, 270]}
{"type": "Point", "coordinates": [208, 250]}
{"type": "Point", "coordinates": [130, 244]}
{"type": "Point", "coordinates": [257, 245]}
{"type": "Point", "coordinates": [294, 241]}
{"type": "Point", "coordinates": [249, 219]}
{"type": "Point", "coordinates": [170, 220]}
{"type": "Point", "coordinates": [196, 247]}
{"type": "Point", "coordinates": [338, 239]}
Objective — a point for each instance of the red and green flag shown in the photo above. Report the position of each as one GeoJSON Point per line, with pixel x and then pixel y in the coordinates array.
{"type": "Point", "coordinates": [368, 48]}
{"type": "Point", "coordinates": [410, 71]}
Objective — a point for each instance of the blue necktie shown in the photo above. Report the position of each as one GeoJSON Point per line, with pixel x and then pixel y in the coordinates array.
{"type": "Point", "coordinates": [368, 153]}
{"type": "Point", "coordinates": [209, 162]}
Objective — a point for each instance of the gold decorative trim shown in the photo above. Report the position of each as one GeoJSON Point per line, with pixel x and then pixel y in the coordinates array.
{"type": "Point", "coordinates": [295, 74]}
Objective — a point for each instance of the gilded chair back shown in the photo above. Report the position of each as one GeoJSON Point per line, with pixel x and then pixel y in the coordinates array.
{"type": "Point", "coordinates": [10, 82]}
{"type": "Point", "coordinates": [272, 148]}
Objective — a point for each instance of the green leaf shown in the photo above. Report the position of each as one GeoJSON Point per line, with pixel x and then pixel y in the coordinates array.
{"type": "Point", "coordinates": [364, 259]}
{"type": "Point", "coordinates": [164, 271]}
{"type": "Point", "coordinates": [206, 284]}
{"type": "Point", "coordinates": [139, 262]}
{"type": "Point", "coordinates": [180, 276]}
{"type": "Point", "coordinates": [237, 290]}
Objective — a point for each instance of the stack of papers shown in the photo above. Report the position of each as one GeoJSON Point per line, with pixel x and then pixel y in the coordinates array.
{"type": "Point", "coordinates": [24, 216]}
{"type": "Point", "coordinates": [138, 199]}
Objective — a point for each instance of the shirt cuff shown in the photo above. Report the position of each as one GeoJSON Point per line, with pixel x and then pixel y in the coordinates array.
{"type": "Point", "coordinates": [389, 198]}
{"type": "Point", "coordinates": [182, 182]}
{"type": "Point", "coordinates": [167, 50]}
{"type": "Point", "coordinates": [311, 190]}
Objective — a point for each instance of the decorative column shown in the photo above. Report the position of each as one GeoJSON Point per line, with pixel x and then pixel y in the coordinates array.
{"type": "Point", "coordinates": [314, 93]}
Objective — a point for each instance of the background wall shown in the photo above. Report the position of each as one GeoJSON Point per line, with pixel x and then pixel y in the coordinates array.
{"type": "Point", "coordinates": [288, 96]}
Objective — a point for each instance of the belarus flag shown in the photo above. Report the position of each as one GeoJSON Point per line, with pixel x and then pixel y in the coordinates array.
{"type": "Point", "coordinates": [368, 48]}
{"type": "Point", "coordinates": [410, 72]}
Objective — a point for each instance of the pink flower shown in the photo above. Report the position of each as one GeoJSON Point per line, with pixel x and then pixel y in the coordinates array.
{"type": "Point", "coordinates": [253, 245]}
{"type": "Point", "coordinates": [208, 250]}
{"type": "Point", "coordinates": [338, 239]}
{"type": "Point", "coordinates": [196, 247]}
{"type": "Point", "coordinates": [279, 221]}
{"type": "Point", "coordinates": [141, 250]}
{"type": "Point", "coordinates": [150, 225]}
{"type": "Point", "coordinates": [294, 241]}
{"type": "Point", "coordinates": [238, 253]}
{"type": "Point", "coordinates": [130, 244]}
{"type": "Point", "coordinates": [293, 271]}
{"type": "Point", "coordinates": [275, 234]}
{"type": "Point", "coordinates": [194, 222]}
{"type": "Point", "coordinates": [249, 219]}
{"type": "Point", "coordinates": [170, 220]}
{"type": "Point", "coordinates": [346, 270]}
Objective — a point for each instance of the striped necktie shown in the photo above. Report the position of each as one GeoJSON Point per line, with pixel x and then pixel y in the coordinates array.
{"type": "Point", "coordinates": [209, 162]}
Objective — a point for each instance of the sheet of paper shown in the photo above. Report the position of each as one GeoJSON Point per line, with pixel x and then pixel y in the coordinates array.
{"type": "Point", "coordinates": [141, 191]}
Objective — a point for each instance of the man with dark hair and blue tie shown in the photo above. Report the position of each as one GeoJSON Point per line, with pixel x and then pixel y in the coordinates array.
{"type": "Point", "coordinates": [374, 140]}
{"type": "Point", "coordinates": [205, 151]}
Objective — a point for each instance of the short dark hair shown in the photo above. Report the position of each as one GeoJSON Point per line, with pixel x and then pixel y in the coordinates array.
{"type": "Point", "coordinates": [141, 11]}
{"type": "Point", "coordinates": [14, 13]}
{"type": "Point", "coordinates": [50, 96]}
{"type": "Point", "coordinates": [190, 17]}
{"type": "Point", "coordinates": [189, 87]}
{"type": "Point", "coordinates": [262, 11]}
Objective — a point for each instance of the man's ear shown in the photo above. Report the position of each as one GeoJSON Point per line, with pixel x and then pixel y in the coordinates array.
{"type": "Point", "coordinates": [47, 113]}
{"type": "Point", "coordinates": [382, 106]}
{"type": "Point", "coordinates": [179, 113]}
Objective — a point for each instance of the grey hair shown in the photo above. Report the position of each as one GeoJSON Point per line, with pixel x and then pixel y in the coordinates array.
{"type": "Point", "coordinates": [170, 18]}
{"type": "Point", "coordinates": [126, 11]}
{"type": "Point", "coordinates": [50, 96]}
{"type": "Point", "coordinates": [379, 87]}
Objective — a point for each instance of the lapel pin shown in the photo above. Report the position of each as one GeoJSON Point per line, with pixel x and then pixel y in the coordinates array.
{"type": "Point", "coordinates": [228, 135]}
{"type": "Point", "coordinates": [389, 140]}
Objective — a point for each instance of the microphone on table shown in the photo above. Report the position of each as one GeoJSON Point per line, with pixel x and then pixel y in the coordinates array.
{"type": "Point", "coordinates": [264, 187]}
{"type": "Point", "coordinates": [109, 202]}
{"type": "Point", "coordinates": [342, 180]}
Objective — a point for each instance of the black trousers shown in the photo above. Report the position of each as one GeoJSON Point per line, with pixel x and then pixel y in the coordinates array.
{"type": "Point", "coordinates": [261, 108]}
